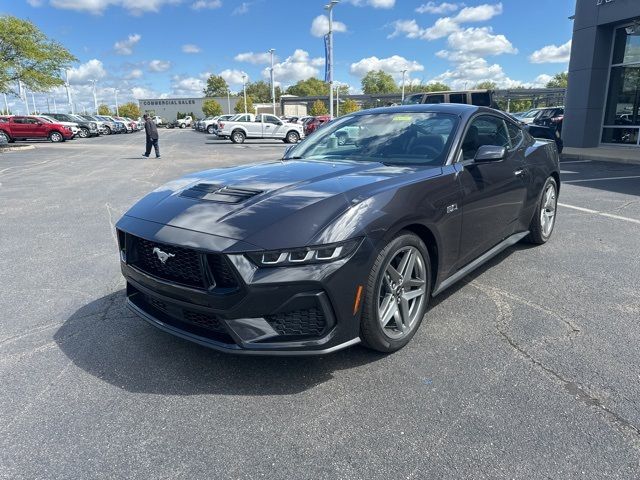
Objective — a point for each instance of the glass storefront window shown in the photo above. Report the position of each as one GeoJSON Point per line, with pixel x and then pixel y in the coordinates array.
{"type": "Point", "coordinates": [623, 99]}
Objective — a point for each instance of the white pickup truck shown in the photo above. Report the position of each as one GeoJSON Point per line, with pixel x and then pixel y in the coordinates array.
{"type": "Point", "coordinates": [246, 126]}
{"type": "Point", "coordinates": [184, 122]}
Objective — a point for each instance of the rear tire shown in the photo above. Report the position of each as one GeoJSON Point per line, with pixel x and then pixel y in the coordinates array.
{"type": "Point", "coordinates": [237, 136]}
{"type": "Point", "coordinates": [5, 136]}
{"type": "Point", "coordinates": [544, 217]}
{"type": "Point", "coordinates": [397, 294]}
{"type": "Point", "coordinates": [56, 137]}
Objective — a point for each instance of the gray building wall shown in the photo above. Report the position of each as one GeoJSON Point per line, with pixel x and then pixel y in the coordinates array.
{"type": "Point", "coordinates": [593, 30]}
{"type": "Point", "coordinates": [168, 108]}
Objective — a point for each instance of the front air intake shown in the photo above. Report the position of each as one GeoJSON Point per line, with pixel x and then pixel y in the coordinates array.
{"type": "Point", "coordinates": [219, 193]}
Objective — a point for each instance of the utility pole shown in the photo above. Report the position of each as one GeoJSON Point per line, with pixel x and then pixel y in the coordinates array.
{"type": "Point", "coordinates": [68, 87]}
{"type": "Point", "coordinates": [117, 109]}
{"type": "Point", "coordinates": [244, 90]}
{"type": "Point", "coordinates": [338, 100]}
{"type": "Point", "coordinates": [22, 92]}
{"type": "Point", "coordinates": [55, 106]}
{"type": "Point", "coordinates": [273, 87]}
{"type": "Point", "coordinates": [33, 101]}
{"type": "Point", "coordinates": [6, 104]}
{"type": "Point", "coordinates": [329, 7]}
{"type": "Point", "coordinates": [403, 74]}
{"type": "Point", "coordinates": [228, 101]}
{"type": "Point", "coordinates": [95, 98]}
{"type": "Point", "coordinates": [48, 106]}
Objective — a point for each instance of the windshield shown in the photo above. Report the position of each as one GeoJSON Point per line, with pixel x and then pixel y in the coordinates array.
{"type": "Point", "coordinates": [393, 138]}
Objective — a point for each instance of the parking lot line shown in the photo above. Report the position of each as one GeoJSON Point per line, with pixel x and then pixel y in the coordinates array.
{"type": "Point", "coordinates": [600, 179]}
{"type": "Point", "coordinates": [603, 214]}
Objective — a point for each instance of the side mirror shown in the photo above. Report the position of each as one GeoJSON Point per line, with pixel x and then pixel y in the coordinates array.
{"type": "Point", "coordinates": [490, 153]}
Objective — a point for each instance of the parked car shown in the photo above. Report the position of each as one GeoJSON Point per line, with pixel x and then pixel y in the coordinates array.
{"type": "Point", "coordinates": [314, 123]}
{"type": "Point", "coordinates": [184, 122]}
{"type": "Point", "coordinates": [86, 128]}
{"type": "Point", "coordinates": [333, 245]}
{"type": "Point", "coordinates": [550, 117]}
{"type": "Point", "coordinates": [158, 120]}
{"type": "Point", "coordinates": [110, 126]}
{"type": "Point", "coordinates": [479, 98]}
{"type": "Point", "coordinates": [120, 127]}
{"type": "Point", "coordinates": [528, 116]}
{"type": "Point", "coordinates": [26, 127]}
{"type": "Point", "coordinates": [73, 126]}
{"type": "Point", "coordinates": [92, 118]}
{"type": "Point", "coordinates": [261, 126]}
{"type": "Point", "coordinates": [215, 127]}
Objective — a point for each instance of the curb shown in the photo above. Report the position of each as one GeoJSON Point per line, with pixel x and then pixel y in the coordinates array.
{"type": "Point", "coordinates": [600, 158]}
{"type": "Point", "coordinates": [15, 148]}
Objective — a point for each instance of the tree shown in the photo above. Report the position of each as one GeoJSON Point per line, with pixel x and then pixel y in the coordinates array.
{"type": "Point", "coordinates": [130, 110]}
{"type": "Point", "coordinates": [27, 55]}
{"type": "Point", "coordinates": [103, 110]}
{"type": "Point", "coordinates": [559, 80]}
{"type": "Point", "coordinates": [216, 87]}
{"type": "Point", "coordinates": [349, 106]}
{"type": "Point", "coordinates": [260, 91]}
{"type": "Point", "coordinates": [486, 85]}
{"type": "Point", "coordinates": [311, 87]}
{"type": "Point", "coordinates": [378, 82]}
{"type": "Point", "coordinates": [211, 108]}
{"type": "Point", "coordinates": [239, 108]}
{"type": "Point", "coordinates": [436, 87]}
{"type": "Point", "coordinates": [318, 108]}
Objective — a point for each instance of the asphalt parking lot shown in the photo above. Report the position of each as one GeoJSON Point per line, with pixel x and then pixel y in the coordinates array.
{"type": "Point", "coordinates": [529, 368]}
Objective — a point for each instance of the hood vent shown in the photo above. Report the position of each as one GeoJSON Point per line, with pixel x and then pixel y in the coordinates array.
{"type": "Point", "coordinates": [219, 193]}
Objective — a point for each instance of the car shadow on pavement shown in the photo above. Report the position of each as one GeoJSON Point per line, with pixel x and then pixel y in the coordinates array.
{"type": "Point", "coordinates": [109, 342]}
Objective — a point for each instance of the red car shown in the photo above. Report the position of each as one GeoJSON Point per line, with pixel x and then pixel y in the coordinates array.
{"type": "Point", "coordinates": [314, 123]}
{"type": "Point", "coordinates": [20, 128]}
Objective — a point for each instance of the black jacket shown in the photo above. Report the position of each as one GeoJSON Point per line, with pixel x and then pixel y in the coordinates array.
{"type": "Point", "coordinates": [151, 129]}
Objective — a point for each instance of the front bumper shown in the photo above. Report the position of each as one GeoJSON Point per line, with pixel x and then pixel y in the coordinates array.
{"type": "Point", "coordinates": [302, 310]}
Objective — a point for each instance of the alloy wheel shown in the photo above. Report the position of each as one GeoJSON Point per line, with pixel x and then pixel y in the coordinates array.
{"type": "Point", "coordinates": [548, 210]}
{"type": "Point", "coordinates": [402, 292]}
{"type": "Point", "coordinates": [55, 137]}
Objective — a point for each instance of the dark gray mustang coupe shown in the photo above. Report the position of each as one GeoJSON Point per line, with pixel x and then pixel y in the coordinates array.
{"type": "Point", "coordinates": [346, 238]}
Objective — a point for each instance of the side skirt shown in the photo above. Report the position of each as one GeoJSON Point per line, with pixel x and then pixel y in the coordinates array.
{"type": "Point", "coordinates": [512, 240]}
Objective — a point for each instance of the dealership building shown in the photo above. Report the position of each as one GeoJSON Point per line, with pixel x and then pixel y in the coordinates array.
{"type": "Point", "coordinates": [603, 99]}
{"type": "Point", "coordinates": [168, 108]}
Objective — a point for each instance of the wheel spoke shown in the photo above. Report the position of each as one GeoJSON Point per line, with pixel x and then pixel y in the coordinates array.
{"type": "Point", "coordinates": [393, 273]}
{"type": "Point", "coordinates": [411, 294]}
{"type": "Point", "coordinates": [405, 313]}
{"type": "Point", "coordinates": [388, 309]}
{"type": "Point", "coordinates": [413, 282]}
{"type": "Point", "coordinates": [408, 268]}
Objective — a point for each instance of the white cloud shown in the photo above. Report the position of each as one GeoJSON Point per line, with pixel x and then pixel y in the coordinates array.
{"type": "Point", "coordinates": [159, 65]}
{"type": "Point", "coordinates": [233, 77]}
{"type": "Point", "coordinates": [409, 28]}
{"type": "Point", "coordinates": [542, 80]}
{"type": "Point", "coordinates": [443, 27]}
{"type": "Point", "coordinates": [35, 3]}
{"type": "Point", "coordinates": [206, 4]}
{"type": "Point", "coordinates": [467, 74]}
{"type": "Point", "coordinates": [299, 66]}
{"type": "Point", "coordinates": [392, 65]}
{"type": "Point", "coordinates": [374, 3]}
{"type": "Point", "coordinates": [320, 26]}
{"type": "Point", "coordinates": [481, 13]}
{"type": "Point", "coordinates": [125, 47]}
{"type": "Point", "coordinates": [135, 73]}
{"type": "Point", "coordinates": [86, 72]}
{"type": "Point", "coordinates": [259, 58]}
{"type": "Point", "coordinates": [552, 54]}
{"type": "Point", "coordinates": [437, 9]}
{"type": "Point", "coordinates": [190, 48]}
{"type": "Point", "coordinates": [182, 86]}
{"type": "Point", "coordinates": [99, 6]}
{"type": "Point", "coordinates": [143, 92]}
{"type": "Point", "coordinates": [241, 9]}
{"type": "Point", "coordinates": [480, 41]}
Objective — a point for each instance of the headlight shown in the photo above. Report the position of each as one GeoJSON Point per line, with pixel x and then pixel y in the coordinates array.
{"type": "Point", "coordinates": [304, 256]}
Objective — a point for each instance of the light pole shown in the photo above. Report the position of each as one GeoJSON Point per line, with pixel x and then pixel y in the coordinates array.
{"type": "Point", "coordinates": [117, 109]}
{"type": "Point", "coordinates": [68, 87]}
{"type": "Point", "coordinates": [33, 101]}
{"type": "Point", "coordinates": [338, 100]}
{"type": "Point", "coordinates": [228, 101]}
{"type": "Point", "coordinates": [244, 90]}
{"type": "Point", "coordinates": [403, 74]}
{"type": "Point", "coordinates": [23, 96]}
{"type": "Point", "coordinates": [273, 87]}
{"type": "Point", "coordinates": [95, 98]}
{"type": "Point", "coordinates": [6, 104]}
{"type": "Point", "coordinates": [55, 106]}
{"type": "Point", "coordinates": [329, 7]}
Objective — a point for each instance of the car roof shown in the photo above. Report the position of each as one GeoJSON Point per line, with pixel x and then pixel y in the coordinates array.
{"type": "Point", "coordinates": [451, 108]}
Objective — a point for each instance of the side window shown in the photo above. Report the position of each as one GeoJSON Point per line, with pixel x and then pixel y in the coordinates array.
{"type": "Point", "coordinates": [413, 99]}
{"type": "Point", "coordinates": [481, 99]}
{"type": "Point", "coordinates": [434, 99]}
{"type": "Point", "coordinates": [19, 120]}
{"type": "Point", "coordinates": [484, 130]}
{"type": "Point", "coordinates": [515, 135]}
{"type": "Point", "coordinates": [457, 98]}
{"type": "Point", "coordinates": [271, 119]}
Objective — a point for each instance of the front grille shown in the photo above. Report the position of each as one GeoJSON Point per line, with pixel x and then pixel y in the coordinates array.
{"type": "Point", "coordinates": [310, 322]}
{"type": "Point", "coordinates": [203, 320]}
{"type": "Point", "coordinates": [183, 265]}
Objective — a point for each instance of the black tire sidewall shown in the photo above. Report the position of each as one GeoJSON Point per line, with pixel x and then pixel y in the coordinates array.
{"type": "Point", "coordinates": [372, 333]}
{"type": "Point", "coordinates": [536, 235]}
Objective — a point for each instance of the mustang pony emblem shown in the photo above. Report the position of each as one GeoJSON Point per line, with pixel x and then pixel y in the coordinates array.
{"type": "Point", "coordinates": [162, 256]}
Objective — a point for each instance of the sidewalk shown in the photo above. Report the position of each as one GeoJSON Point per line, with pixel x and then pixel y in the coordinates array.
{"type": "Point", "coordinates": [604, 154]}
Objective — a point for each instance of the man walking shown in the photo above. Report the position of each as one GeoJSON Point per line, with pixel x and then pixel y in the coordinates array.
{"type": "Point", "coordinates": [152, 136]}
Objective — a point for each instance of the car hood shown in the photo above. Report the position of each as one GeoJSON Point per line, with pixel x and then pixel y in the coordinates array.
{"type": "Point", "coordinates": [279, 204]}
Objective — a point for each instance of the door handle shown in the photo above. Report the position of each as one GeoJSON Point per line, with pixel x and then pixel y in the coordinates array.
{"type": "Point", "coordinates": [520, 173]}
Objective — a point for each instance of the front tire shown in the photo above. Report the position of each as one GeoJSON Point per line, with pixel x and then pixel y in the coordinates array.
{"type": "Point", "coordinates": [107, 130]}
{"type": "Point", "coordinates": [84, 133]}
{"type": "Point", "coordinates": [292, 137]}
{"type": "Point", "coordinates": [211, 130]}
{"type": "Point", "coordinates": [56, 137]}
{"type": "Point", "coordinates": [237, 137]}
{"type": "Point", "coordinates": [182, 125]}
{"type": "Point", "coordinates": [544, 218]}
{"type": "Point", "coordinates": [397, 294]}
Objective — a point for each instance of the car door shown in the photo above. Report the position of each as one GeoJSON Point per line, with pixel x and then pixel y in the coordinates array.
{"type": "Point", "coordinates": [272, 127]}
{"type": "Point", "coordinates": [37, 128]}
{"type": "Point", "coordinates": [493, 192]}
{"type": "Point", "coordinates": [18, 129]}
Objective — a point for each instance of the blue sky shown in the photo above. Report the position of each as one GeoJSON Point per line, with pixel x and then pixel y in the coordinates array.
{"type": "Point", "coordinates": [153, 48]}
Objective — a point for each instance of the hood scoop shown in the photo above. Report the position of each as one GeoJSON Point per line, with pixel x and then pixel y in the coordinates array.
{"type": "Point", "coordinates": [213, 192]}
